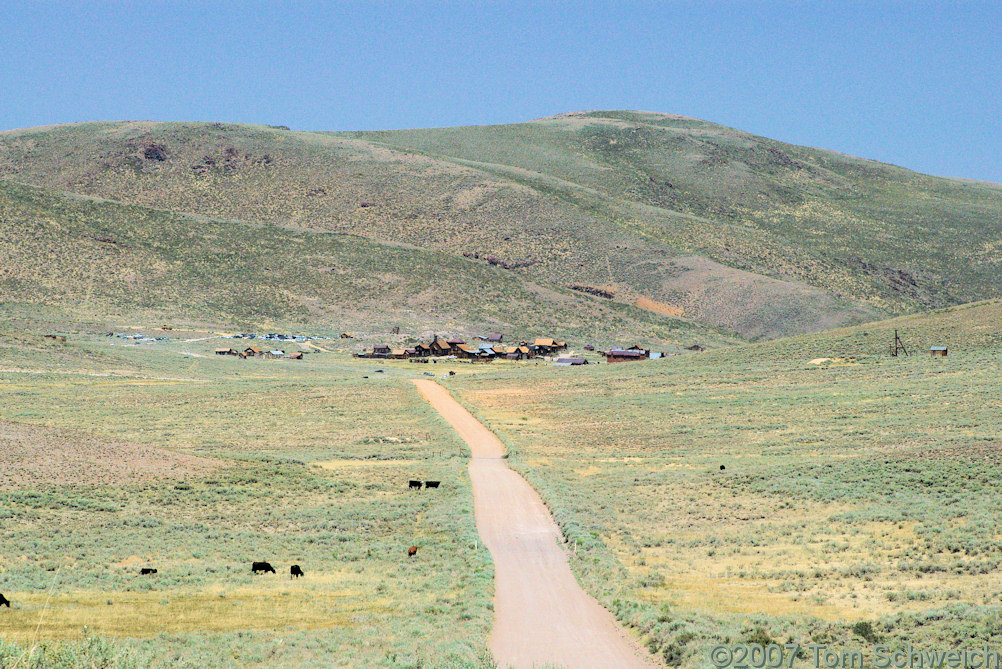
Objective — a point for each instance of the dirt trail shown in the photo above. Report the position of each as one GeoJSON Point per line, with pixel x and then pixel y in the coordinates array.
{"type": "Point", "coordinates": [541, 614]}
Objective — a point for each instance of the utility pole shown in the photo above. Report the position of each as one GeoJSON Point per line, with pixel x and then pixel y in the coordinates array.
{"type": "Point", "coordinates": [898, 346]}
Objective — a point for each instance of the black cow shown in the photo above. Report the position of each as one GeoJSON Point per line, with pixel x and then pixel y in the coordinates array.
{"type": "Point", "coordinates": [295, 571]}
{"type": "Point", "coordinates": [431, 484]}
{"type": "Point", "coordinates": [262, 567]}
{"type": "Point", "coordinates": [414, 484]}
{"type": "Point", "coordinates": [146, 572]}
{"type": "Point", "coordinates": [722, 468]}
{"type": "Point", "coordinates": [4, 601]}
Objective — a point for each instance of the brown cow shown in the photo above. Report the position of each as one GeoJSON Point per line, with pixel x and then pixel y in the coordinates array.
{"type": "Point", "coordinates": [412, 551]}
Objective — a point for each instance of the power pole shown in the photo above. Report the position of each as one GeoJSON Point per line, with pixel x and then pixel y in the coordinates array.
{"type": "Point", "coordinates": [898, 346]}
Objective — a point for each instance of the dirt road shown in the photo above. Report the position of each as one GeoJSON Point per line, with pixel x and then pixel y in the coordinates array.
{"type": "Point", "coordinates": [541, 614]}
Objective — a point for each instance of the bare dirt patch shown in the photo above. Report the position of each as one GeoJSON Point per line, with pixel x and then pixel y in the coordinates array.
{"type": "Point", "coordinates": [658, 307]}
{"type": "Point", "coordinates": [31, 455]}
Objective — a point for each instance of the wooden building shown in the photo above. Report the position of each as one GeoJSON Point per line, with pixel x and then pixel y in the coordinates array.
{"type": "Point", "coordinates": [620, 355]}
{"type": "Point", "coordinates": [440, 347]}
{"type": "Point", "coordinates": [570, 362]}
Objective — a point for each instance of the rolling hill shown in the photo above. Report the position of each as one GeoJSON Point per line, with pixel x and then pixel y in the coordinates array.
{"type": "Point", "coordinates": [65, 256]}
{"type": "Point", "coordinates": [661, 217]}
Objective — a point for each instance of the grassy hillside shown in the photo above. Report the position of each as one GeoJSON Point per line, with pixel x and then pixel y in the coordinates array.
{"type": "Point", "coordinates": [98, 261]}
{"type": "Point", "coordinates": [854, 504]}
{"type": "Point", "coordinates": [678, 216]}
{"type": "Point", "coordinates": [963, 329]}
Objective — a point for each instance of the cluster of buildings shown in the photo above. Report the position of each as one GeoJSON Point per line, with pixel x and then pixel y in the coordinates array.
{"type": "Point", "coordinates": [489, 348]}
{"type": "Point", "coordinates": [254, 351]}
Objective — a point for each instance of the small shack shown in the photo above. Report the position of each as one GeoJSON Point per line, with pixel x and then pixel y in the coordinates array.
{"type": "Point", "coordinates": [938, 351]}
{"type": "Point", "coordinates": [295, 355]}
{"type": "Point", "coordinates": [227, 351]}
{"type": "Point", "coordinates": [486, 352]}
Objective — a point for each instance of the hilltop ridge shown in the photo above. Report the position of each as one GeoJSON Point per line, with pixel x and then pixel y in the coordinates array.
{"type": "Point", "coordinates": [678, 217]}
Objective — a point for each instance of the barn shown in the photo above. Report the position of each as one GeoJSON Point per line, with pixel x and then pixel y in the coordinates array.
{"type": "Point", "coordinates": [619, 355]}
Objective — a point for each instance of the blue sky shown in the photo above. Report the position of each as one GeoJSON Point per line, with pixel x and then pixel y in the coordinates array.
{"type": "Point", "coordinates": [911, 83]}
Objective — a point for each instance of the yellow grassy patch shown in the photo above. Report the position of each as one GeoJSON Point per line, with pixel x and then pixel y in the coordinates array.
{"type": "Point", "coordinates": [280, 606]}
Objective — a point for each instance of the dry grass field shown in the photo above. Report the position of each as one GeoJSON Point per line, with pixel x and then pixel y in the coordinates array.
{"type": "Point", "coordinates": [856, 499]}
{"type": "Point", "coordinates": [117, 457]}
{"type": "Point", "coordinates": [762, 490]}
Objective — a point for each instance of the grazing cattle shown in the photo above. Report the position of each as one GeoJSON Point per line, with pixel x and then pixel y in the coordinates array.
{"type": "Point", "coordinates": [262, 567]}
{"type": "Point", "coordinates": [295, 571]}
{"type": "Point", "coordinates": [414, 484]}
{"type": "Point", "coordinates": [146, 572]}
{"type": "Point", "coordinates": [431, 484]}
{"type": "Point", "coordinates": [722, 468]}
{"type": "Point", "coordinates": [4, 601]}
{"type": "Point", "coordinates": [412, 551]}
